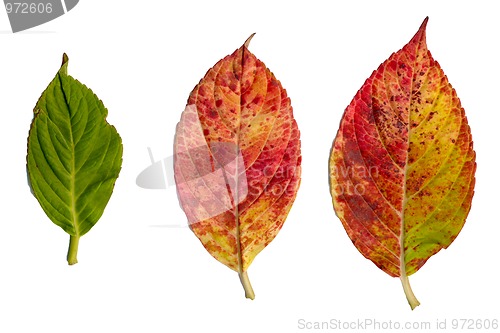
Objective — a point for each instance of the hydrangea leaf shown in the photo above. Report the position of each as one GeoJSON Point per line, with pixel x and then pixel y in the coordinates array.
{"type": "Point", "coordinates": [74, 156]}
{"type": "Point", "coordinates": [402, 164]}
{"type": "Point", "coordinates": [237, 160]}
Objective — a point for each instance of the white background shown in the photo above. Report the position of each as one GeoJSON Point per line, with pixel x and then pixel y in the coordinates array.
{"type": "Point", "coordinates": [140, 268]}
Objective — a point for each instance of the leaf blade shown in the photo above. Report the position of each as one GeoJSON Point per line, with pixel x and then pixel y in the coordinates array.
{"type": "Point", "coordinates": [74, 156]}
{"type": "Point", "coordinates": [405, 143]}
{"type": "Point", "coordinates": [236, 141]}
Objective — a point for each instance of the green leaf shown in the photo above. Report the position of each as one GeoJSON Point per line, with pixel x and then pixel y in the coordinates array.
{"type": "Point", "coordinates": [74, 156]}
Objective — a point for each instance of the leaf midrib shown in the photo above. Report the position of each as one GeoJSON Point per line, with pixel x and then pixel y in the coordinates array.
{"type": "Point", "coordinates": [237, 188]}
{"type": "Point", "coordinates": [73, 212]}
{"type": "Point", "coordinates": [402, 236]}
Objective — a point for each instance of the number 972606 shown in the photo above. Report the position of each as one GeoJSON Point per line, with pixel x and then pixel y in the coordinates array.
{"type": "Point", "coordinates": [28, 8]}
{"type": "Point", "coordinates": [474, 324]}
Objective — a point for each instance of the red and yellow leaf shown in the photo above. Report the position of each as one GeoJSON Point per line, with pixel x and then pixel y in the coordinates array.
{"type": "Point", "coordinates": [237, 160]}
{"type": "Point", "coordinates": [402, 164]}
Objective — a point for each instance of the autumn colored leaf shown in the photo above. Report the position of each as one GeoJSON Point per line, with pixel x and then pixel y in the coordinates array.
{"type": "Point", "coordinates": [237, 160]}
{"type": "Point", "coordinates": [402, 164]}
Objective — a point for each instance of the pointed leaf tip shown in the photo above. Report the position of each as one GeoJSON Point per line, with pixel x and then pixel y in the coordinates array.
{"type": "Point", "coordinates": [424, 23]}
{"type": "Point", "coordinates": [420, 35]}
{"type": "Point", "coordinates": [247, 42]}
{"type": "Point", "coordinates": [423, 26]}
{"type": "Point", "coordinates": [64, 58]}
{"type": "Point", "coordinates": [64, 64]}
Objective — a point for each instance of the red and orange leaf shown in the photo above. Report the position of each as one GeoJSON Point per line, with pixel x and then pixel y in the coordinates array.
{"type": "Point", "coordinates": [237, 160]}
{"type": "Point", "coordinates": [402, 164]}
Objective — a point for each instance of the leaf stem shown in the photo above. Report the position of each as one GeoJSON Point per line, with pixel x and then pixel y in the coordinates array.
{"type": "Point", "coordinates": [412, 300]}
{"type": "Point", "coordinates": [73, 249]}
{"type": "Point", "coordinates": [245, 281]}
